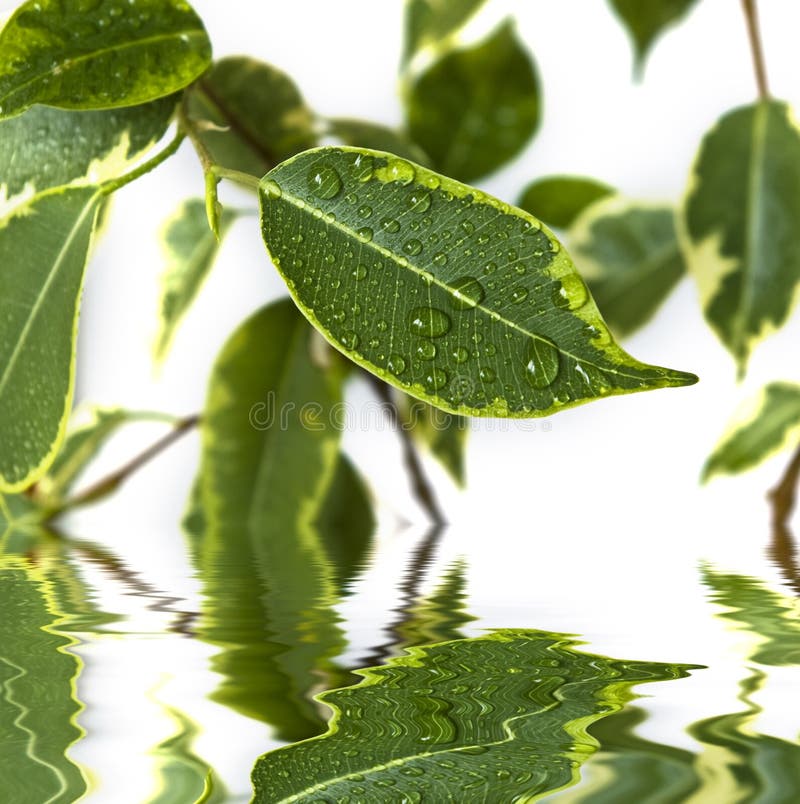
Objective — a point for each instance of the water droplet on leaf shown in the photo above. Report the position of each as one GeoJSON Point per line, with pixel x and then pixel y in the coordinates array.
{"type": "Point", "coordinates": [467, 293]}
{"type": "Point", "coordinates": [542, 362]}
{"type": "Point", "coordinates": [324, 181]}
{"type": "Point", "coordinates": [430, 322]}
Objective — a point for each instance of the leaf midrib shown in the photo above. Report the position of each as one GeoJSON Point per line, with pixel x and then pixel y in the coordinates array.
{"type": "Point", "coordinates": [301, 205]}
{"type": "Point", "coordinates": [70, 62]}
{"type": "Point", "coordinates": [65, 248]}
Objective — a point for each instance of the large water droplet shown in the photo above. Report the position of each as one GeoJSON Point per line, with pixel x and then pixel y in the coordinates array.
{"type": "Point", "coordinates": [324, 181]}
{"type": "Point", "coordinates": [542, 362]}
{"type": "Point", "coordinates": [440, 259]}
{"type": "Point", "coordinates": [519, 294]}
{"type": "Point", "coordinates": [397, 364]}
{"type": "Point", "coordinates": [436, 379]}
{"type": "Point", "coordinates": [571, 293]}
{"type": "Point", "coordinates": [460, 355]}
{"type": "Point", "coordinates": [349, 340]}
{"type": "Point", "coordinates": [360, 272]}
{"type": "Point", "coordinates": [400, 171]}
{"type": "Point", "coordinates": [412, 247]}
{"type": "Point", "coordinates": [364, 234]}
{"type": "Point", "coordinates": [363, 167]}
{"type": "Point", "coordinates": [419, 201]}
{"type": "Point", "coordinates": [365, 211]}
{"type": "Point", "coordinates": [467, 293]}
{"type": "Point", "coordinates": [487, 374]}
{"type": "Point", "coordinates": [426, 350]}
{"type": "Point", "coordinates": [390, 225]}
{"type": "Point", "coordinates": [429, 322]}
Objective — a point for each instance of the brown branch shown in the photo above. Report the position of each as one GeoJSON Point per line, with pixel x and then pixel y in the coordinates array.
{"type": "Point", "coordinates": [756, 48]}
{"type": "Point", "coordinates": [420, 485]}
{"type": "Point", "coordinates": [782, 550]}
{"type": "Point", "coordinates": [112, 482]}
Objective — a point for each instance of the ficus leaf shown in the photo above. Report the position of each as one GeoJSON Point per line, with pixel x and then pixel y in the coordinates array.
{"type": "Point", "coordinates": [190, 248]}
{"type": "Point", "coordinates": [252, 115]}
{"type": "Point", "coordinates": [46, 148]}
{"type": "Point", "coordinates": [558, 200]}
{"type": "Point", "coordinates": [646, 20]}
{"type": "Point", "coordinates": [631, 259]}
{"type": "Point", "coordinates": [447, 293]}
{"type": "Point", "coordinates": [99, 54]}
{"type": "Point", "coordinates": [475, 108]}
{"type": "Point", "coordinates": [363, 134]}
{"type": "Point", "coordinates": [468, 720]}
{"type": "Point", "coordinates": [43, 250]}
{"type": "Point", "coordinates": [429, 22]}
{"type": "Point", "coordinates": [770, 423]}
{"type": "Point", "coordinates": [740, 220]}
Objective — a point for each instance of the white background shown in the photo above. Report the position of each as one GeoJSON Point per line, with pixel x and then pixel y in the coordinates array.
{"type": "Point", "coordinates": [596, 526]}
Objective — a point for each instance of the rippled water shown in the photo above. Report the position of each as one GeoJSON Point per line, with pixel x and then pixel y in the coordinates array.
{"type": "Point", "coordinates": [116, 690]}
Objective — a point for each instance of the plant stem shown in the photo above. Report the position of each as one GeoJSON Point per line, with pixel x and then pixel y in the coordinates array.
{"type": "Point", "coordinates": [420, 485]}
{"type": "Point", "coordinates": [754, 34]}
{"type": "Point", "coordinates": [112, 482]}
{"type": "Point", "coordinates": [783, 496]}
{"type": "Point", "coordinates": [115, 184]}
{"type": "Point", "coordinates": [245, 179]}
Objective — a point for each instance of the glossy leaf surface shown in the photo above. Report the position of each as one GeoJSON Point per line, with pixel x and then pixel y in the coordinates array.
{"type": "Point", "coordinates": [269, 456]}
{"type": "Point", "coordinates": [646, 20]}
{"type": "Point", "coordinates": [37, 701]}
{"type": "Point", "coordinates": [771, 424]}
{"type": "Point", "coordinates": [190, 248]}
{"type": "Point", "coordinates": [558, 200]}
{"type": "Point", "coordinates": [450, 295]}
{"type": "Point", "coordinates": [98, 55]}
{"type": "Point", "coordinates": [46, 148]}
{"type": "Point", "coordinates": [258, 116]}
{"type": "Point", "coordinates": [429, 22]}
{"type": "Point", "coordinates": [497, 718]}
{"type": "Point", "coordinates": [741, 217]}
{"type": "Point", "coordinates": [631, 259]}
{"type": "Point", "coordinates": [43, 249]}
{"type": "Point", "coordinates": [475, 108]}
{"type": "Point", "coordinates": [363, 134]}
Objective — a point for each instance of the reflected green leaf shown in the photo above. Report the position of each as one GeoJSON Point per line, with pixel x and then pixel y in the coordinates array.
{"type": "Point", "coordinates": [99, 55]}
{"type": "Point", "coordinates": [502, 715]}
{"type": "Point", "coordinates": [428, 23]}
{"type": "Point", "coordinates": [46, 148]}
{"type": "Point", "coordinates": [770, 424]}
{"type": "Point", "coordinates": [646, 20]}
{"type": "Point", "coordinates": [37, 677]}
{"type": "Point", "coordinates": [740, 219]}
{"type": "Point", "coordinates": [252, 115]}
{"type": "Point", "coordinates": [476, 108]}
{"type": "Point", "coordinates": [44, 246]}
{"type": "Point", "coordinates": [440, 290]}
{"type": "Point", "coordinates": [444, 434]}
{"type": "Point", "coordinates": [558, 200]}
{"type": "Point", "coordinates": [630, 257]}
{"type": "Point", "coordinates": [363, 134]}
{"type": "Point", "coordinates": [190, 249]}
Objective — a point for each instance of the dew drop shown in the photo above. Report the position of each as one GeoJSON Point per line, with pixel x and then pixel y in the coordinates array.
{"type": "Point", "coordinates": [487, 374]}
{"type": "Point", "coordinates": [382, 326]}
{"type": "Point", "coordinates": [363, 167]}
{"type": "Point", "coordinates": [364, 234]}
{"type": "Point", "coordinates": [324, 181]}
{"type": "Point", "coordinates": [467, 293]}
{"type": "Point", "coordinates": [436, 379]}
{"type": "Point", "coordinates": [412, 247]}
{"type": "Point", "coordinates": [419, 201]}
{"type": "Point", "coordinates": [390, 225]}
{"type": "Point", "coordinates": [490, 267]}
{"type": "Point", "coordinates": [519, 294]}
{"type": "Point", "coordinates": [400, 171]}
{"type": "Point", "coordinates": [360, 272]}
{"type": "Point", "coordinates": [429, 322]}
{"type": "Point", "coordinates": [426, 350]}
{"type": "Point", "coordinates": [440, 259]}
{"type": "Point", "coordinates": [571, 293]}
{"type": "Point", "coordinates": [461, 355]}
{"type": "Point", "coordinates": [397, 364]}
{"type": "Point", "coordinates": [272, 189]}
{"type": "Point", "coordinates": [365, 211]}
{"type": "Point", "coordinates": [542, 362]}
{"type": "Point", "coordinates": [349, 340]}
{"type": "Point", "coordinates": [468, 227]}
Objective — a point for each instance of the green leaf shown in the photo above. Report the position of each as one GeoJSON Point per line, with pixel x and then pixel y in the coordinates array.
{"type": "Point", "coordinates": [429, 22]}
{"type": "Point", "coordinates": [98, 54]}
{"type": "Point", "coordinates": [190, 249]}
{"type": "Point", "coordinates": [82, 445]}
{"type": "Point", "coordinates": [362, 134]}
{"type": "Point", "coordinates": [631, 259]}
{"type": "Point", "coordinates": [741, 217]}
{"type": "Point", "coordinates": [476, 108]}
{"type": "Point", "coordinates": [37, 690]}
{"type": "Point", "coordinates": [754, 608]}
{"type": "Point", "coordinates": [443, 433]}
{"type": "Point", "coordinates": [499, 718]}
{"type": "Point", "coordinates": [770, 424]}
{"type": "Point", "coordinates": [44, 245]}
{"type": "Point", "coordinates": [269, 455]}
{"type": "Point", "coordinates": [646, 20]}
{"type": "Point", "coordinates": [448, 294]}
{"type": "Point", "coordinates": [46, 148]}
{"type": "Point", "coordinates": [558, 200]}
{"type": "Point", "coordinates": [252, 114]}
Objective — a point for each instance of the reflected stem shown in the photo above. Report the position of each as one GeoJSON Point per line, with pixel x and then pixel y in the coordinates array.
{"type": "Point", "coordinates": [783, 497]}
{"type": "Point", "coordinates": [420, 484]}
{"type": "Point", "coordinates": [112, 482]}
{"type": "Point", "coordinates": [756, 48]}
